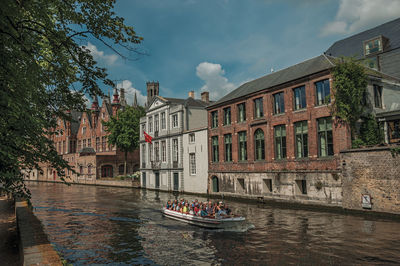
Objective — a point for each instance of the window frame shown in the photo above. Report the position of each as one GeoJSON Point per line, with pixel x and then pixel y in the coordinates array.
{"type": "Point", "coordinates": [192, 138]}
{"type": "Point", "coordinates": [326, 137]}
{"type": "Point", "coordinates": [303, 96]}
{"type": "Point", "coordinates": [303, 139]}
{"type": "Point", "coordinates": [258, 112]}
{"type": "Point", "coordinates": [282, 141]}
{"type": "Point", "coordinates": [175, 122]}
{"type": "Point", "coordinates": [163, 151]}
{"type": "Point", "coordinates": [214, 119]}
{"type": "Point", "coordinates": [214, 149]}
{"type": "Point", "coordinates": [378, 99]}
{"type": "Point", "coordinates": [325, 99]}
{"type": "Point", "coordinates": [259, 143]}
{"type": "Point", "coordinates": [175, 150]}
{"type": "Point", "coordinates": [192, 163]}
{"type": "Point", "coordinates": [279, 102]}
{"type": "Point", "coordinates": [228, 147]}
{"type": "Point", "coordinates": [227, 116]}
{"type": "Point", "coordinates": [241, 109]}
{"type": "Point", "coordinates": [163, 124]}
{"type": "Point", "coordinates": [244, 144]}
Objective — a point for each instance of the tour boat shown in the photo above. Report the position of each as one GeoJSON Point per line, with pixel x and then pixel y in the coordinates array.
{"type": "Point", "coordinates": [208, 222]}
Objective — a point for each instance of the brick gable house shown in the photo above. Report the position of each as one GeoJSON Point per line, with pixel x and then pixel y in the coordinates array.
{"type": "Point", "coordinates": [83, 143]}
{"type": "Point", "coordinates": [274, 137]}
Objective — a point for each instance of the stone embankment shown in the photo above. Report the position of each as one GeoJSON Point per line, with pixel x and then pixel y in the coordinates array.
{"type": "Point", "coordinates": [35, 248]}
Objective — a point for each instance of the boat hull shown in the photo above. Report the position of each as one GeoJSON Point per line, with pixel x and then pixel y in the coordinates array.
{"type": "Point", "coordinates": [213, 223]}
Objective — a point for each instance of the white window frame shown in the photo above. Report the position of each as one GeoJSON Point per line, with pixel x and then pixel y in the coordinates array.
{"type": "Point", "coordinates": [175, 121]}
{"type": "Point", "coordinates": [175, 150]}
{"type": "Point", "coordinates": [150, 124]}
{"type": "Point", "coordinates": [163, 151]}
{"type": "Point", "coordinates": [192, 138]}
{"type": "Point", "coordinates": [192, 163]}
{"type": "Point", "coordinates": [163, 120]}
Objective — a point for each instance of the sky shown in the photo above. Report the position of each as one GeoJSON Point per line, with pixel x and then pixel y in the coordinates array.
{"type": "Point", "coordinates": [217, 45]}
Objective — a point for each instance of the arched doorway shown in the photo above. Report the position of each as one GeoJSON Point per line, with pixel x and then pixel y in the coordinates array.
{"type": "Point", "coordinates": [215, 184]}
{"type": "Point", "coordinates": [107, 171]}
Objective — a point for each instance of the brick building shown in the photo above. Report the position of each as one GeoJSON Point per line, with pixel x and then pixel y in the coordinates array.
{"type": "Point", "coordinates": [83, 143]}
{"type": "Point", "coordinates": [274, 137]}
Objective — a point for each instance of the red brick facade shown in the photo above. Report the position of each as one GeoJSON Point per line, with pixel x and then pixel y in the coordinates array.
{"type": "Point", "coordinates": [312, 112]}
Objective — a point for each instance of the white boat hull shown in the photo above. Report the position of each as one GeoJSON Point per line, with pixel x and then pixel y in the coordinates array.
{"type": "Point", "coordinates": [214, 223]}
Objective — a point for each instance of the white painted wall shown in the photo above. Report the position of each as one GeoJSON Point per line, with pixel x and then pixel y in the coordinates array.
{"type": "Point", "coordinates": [196, 183]}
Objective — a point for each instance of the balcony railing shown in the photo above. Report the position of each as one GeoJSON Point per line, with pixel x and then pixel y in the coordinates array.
{"type": "Point", "coordinates": [175, 164]}
{"type": "Point", "coordinates": [155, 164]}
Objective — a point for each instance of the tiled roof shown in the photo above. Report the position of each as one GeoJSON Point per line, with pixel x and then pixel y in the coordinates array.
{"type": "Point", "coordinates": [353, 45]}
{"type": "Point", "coordinates": [305, 68]}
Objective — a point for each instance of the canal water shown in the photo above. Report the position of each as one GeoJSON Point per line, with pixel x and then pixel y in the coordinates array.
{"type": "Point", "coordinates": [101, 225]}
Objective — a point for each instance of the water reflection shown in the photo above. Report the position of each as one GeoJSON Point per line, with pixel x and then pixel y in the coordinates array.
{"type": "Point", "coordinates": [114, 225]}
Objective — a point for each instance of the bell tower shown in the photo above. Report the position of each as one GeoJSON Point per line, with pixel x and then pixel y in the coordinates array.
{"type": "Point", "coordinates": [152, 90]}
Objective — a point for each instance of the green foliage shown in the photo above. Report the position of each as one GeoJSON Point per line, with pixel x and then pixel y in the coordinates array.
{"type": "Point", "coordinates": [370, 132]}
{"type": "Point", "coordinates": [395, 151]}
{"type": "Point", "coordinates": [124, 129]}
{"type": "Point", "coordinates": [349, 86]}
{"type": "Point", "coordinates": [42, 63]}
{"type": "Point", "coordinates": [357, 143]}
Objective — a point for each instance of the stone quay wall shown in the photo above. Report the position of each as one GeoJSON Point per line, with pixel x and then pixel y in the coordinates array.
{"type": "Point", "coordinates": [34, 244]}
{"type": "Point", "coordinates": [371, 180]}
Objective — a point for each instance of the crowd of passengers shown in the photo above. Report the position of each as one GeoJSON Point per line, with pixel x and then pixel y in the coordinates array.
{"type": "Point", "coordinates": [203, 209]}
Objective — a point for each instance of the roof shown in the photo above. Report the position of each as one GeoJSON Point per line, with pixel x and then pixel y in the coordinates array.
{"type": "Point", "coordinates": [305, 68]}
{"type": "Point", "coordinates": [76, 115]}
{"type": "Point", "coordinates": [189, 102]}
{"type": "Point", "coordinates": [353, 45]}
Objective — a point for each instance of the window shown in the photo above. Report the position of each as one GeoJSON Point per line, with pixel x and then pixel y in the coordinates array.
{"type": "Point", "coordinates": [192, 138]}
{"type": "Point", "coordinates": [89, 169]}
{"type": "Point", "coordinates": [103, 143]}
{"type": "Point", "coordinates": [192, 163]}
{"type": "Point", "coordinates": [301, 139]}
{"type": "Point", "coordinates": [144, 127]}
{"type": "Point", "coordinates": [97, 144]}
{"type": "Point", "coordinates": [280, 142]}
{"type": "Point", "coordinates": [157, 151]}
{"type": "Point", "coordinates": [258, 108]}
{"type": "Point", "coordinates": [394, 131]}
{"type": "Point", "coordinates": [214, 119]}
{"type": "Point", "coordinates": [83, 130]}
{"type": "Point", "coordinates": [143, 153]}
{"type": "Point", "coordinates": [175, 152]}
{"type": "Point", "coordinates": [150, 152]}
{"type": "Point", "coordinates": [378, 96]}
{"type": "Point", "coordinates": [279, 103]}
{"type": "Point", "coordinates": [121, 169]}
{"type": "Point", "coordinates": [163, 151]}
{"type": "Point", "coordinates": [163, 120]}
{"type": "Point", "coordinates": [156, 123]}
{"type": "Point", "coordinates": [241, 112]}
{"type": "Point", "coordinates": [150, 124]}
{"type": "Point", "coordinates": [214, 141]}
{"type": "Point", "coordinates": [59, 147]}
{"type": "Point", "coordinates": [64, 150]}
{"type": "Point", "coordinates": [175, 121]}
{"type": "Point", "coordinates": [228, 147]}
{"type": "Point", "coordinates": [323, 92]}
{"type": "Point", "coordinates": [242, 146]}
{"type": "Point", "coordinates": [259, 145]}
{"type": "Point", "coordinates": [84, 143]}
{"type": "Point", "coordinates": [227, 116]}
{"type": "Point", "coordinates": [81, 169]}
{"type": "Point", "coordinates": [79, 145]}
{"type": "Point", "coordinates": [299, 98]}
{"type": "Point", "coordinates": [89, 142]}
{"type": "Point", "coordinates": [325, 138]}
{"type": "Point", "coordinates": [373, 46]}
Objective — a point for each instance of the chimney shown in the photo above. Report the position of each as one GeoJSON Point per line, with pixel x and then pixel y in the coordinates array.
{"type": "Point", "coordinates": [191, 94]}
{"type": "Point", "coordinates": [205, 96]}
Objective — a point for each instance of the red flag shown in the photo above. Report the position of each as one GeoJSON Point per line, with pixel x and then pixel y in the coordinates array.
{"type": "Point", "coordinates": [147, 137]}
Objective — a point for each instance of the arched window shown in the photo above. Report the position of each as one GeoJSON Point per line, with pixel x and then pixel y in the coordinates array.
{"type": "Point", "coordinates": [107, 171]}
{"type": "Point", "coordinates": [215, 184]}
{"type": "Point", "coordinates": [89, 169]}
{"type": "Point", "coordinates": [259, 145]}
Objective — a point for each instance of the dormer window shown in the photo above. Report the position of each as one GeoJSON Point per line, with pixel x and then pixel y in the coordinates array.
{"type": "Point", "coordinates": [373, 46]}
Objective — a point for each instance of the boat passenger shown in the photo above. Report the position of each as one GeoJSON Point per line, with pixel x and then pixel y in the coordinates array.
{"type": "Point", "coordinates": [196, 209]}
{"type": "Point", "coordinates": [209, 208]}
{"type": "Point", "coordinates": [178, 207]}
{"type": "Point", "coordinates": [228, 211]}
{"type": "Point", "coordinates": [221, 213]}
{"type": "Point", "coordinates": [191, 210]}
{"type": "Point", "coordinates": [203, 212]}
{"type": "Point", "coordinates": [185, 208]}
{"type": "Point", "coordinates": [168, 206]}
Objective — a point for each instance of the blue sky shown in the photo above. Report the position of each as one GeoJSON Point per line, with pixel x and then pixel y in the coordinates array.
{"type": "Point", "coordinates": [216, 45]}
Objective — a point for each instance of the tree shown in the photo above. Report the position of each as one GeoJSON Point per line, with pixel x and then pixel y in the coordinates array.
{"type": "Point", "coordinates": [124, 130]}
{"type": "Point", "coordinates": [45, 71]}
{"type": "Point", "coordinates": [349, 86]}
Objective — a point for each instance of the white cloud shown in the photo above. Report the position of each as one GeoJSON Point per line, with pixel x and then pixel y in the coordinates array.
{"type": "Point", "coordinates": [130, 92]}
{"type": "Point", "coordinates": [100, 56]}
{"type": "Point", "coordinates": [215, 82]}
{"type": "Point", "coordinates": [356, 15]}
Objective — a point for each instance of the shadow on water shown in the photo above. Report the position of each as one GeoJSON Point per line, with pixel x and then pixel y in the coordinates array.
{"type": "Point", "coordinates": [100, 225]}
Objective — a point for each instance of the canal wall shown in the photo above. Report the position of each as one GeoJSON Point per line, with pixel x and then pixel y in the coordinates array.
{"type": "Point", "coordinates": [92, 181]}
{"type": "Point", "coordinates": [35, 248]}
{"type": "Point", "coordinates": [371, 180]}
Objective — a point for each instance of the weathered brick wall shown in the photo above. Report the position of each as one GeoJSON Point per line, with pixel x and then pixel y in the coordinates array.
{"type": "Point", "coordinates": [373, 172]}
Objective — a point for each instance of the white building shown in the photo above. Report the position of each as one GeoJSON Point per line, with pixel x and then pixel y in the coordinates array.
{"type": "Point", "coordinates": [171, 122]}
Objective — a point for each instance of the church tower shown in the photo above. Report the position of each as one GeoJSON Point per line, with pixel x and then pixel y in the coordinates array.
{"type": "Point", "coordinates": [152, 90]}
